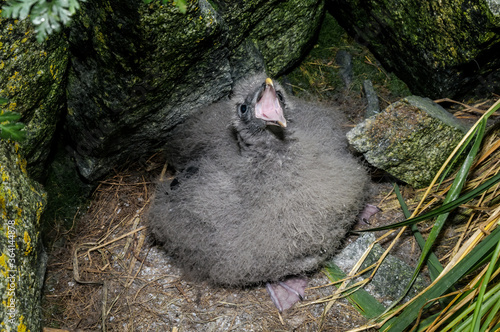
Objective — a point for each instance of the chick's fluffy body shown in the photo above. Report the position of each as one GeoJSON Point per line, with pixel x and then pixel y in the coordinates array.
{"type": "Point", "coordinates": [258, 206]}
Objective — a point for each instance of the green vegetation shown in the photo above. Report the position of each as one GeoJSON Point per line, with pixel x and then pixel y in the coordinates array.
{"type": "Point", "coordinates": [476, 304]}
{"type": "Point", "coordinates": [319, 72]}
{"type": "Point", "coordinates": [464, 294]}
{"type": "Point", "coordinates": [48, 16]}
{"type": "Point", "coordinates": [10, 128]}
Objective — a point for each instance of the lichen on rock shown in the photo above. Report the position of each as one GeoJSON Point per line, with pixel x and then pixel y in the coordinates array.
{"type": "Point", "coordinates": [410, 139]}
{"type": "Point", "coordinates": [32, 77]}
{"type": "Point", "coordinates": [22, 258]}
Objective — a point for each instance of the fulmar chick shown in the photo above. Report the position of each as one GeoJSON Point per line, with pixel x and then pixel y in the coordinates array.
{"type": "Point", "coordinates": [265, 190]}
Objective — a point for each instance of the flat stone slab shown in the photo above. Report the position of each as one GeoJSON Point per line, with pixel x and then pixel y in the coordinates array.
{"type": "Point", "coordinates": [392, 277]}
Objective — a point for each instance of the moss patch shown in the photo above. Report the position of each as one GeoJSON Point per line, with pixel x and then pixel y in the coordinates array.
{"type": "Point", "coordinates": [33, 78]}
{"type": "Point", "coordinates": [319, 72]}
{"type": "Point", "coordinates": [441, 50]}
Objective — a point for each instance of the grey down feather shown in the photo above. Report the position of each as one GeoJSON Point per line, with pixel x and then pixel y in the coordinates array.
{"type": "Point", "coordinates": [257, 197]}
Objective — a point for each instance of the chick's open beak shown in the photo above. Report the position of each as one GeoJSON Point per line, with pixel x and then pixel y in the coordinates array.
{"type": "Point", "coordinates": [268, 107]}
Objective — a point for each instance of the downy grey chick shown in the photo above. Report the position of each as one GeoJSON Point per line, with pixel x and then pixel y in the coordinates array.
{"type": "Point", "coordinates": [266, 188]}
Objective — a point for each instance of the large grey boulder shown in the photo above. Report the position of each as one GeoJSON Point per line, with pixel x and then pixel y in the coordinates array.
{"type": "Point", "coordinates": [22, 258]}
{"type": "Point", "coordinates": [137, 70]}
{"type": "Point", "coordinates": [410, 139]}
{"type": "Point", "coordinates": [445, 48]}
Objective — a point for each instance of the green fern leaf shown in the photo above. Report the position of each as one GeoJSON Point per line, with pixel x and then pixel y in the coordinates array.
{"type": "Point", "coordinates": [12, 131]}
{"type": "Point", "coordinates": [9, 117]}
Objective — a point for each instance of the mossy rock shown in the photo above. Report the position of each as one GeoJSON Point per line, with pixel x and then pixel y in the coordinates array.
{"type": "Point", "coordinates": [438, 48]}
{"type": "Point", "coordinates": [32, 77]}
{"type": "Point", "coordinates": [410, 139]}
{"type": "Point", "coordinates": [319, 77]}
{"type": "Point", "coordinates": [137, 70]}
{"type": "Point", "coordinates": [22, 258]}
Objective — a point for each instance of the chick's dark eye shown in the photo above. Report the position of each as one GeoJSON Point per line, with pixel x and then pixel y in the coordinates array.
{"type": "Point", "coordinates": [242, 109]}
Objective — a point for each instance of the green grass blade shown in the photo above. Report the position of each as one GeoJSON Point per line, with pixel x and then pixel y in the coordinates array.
{"type": "Point", "coordinates": [456, 159]}
{"type": "Point", "coordinates": [496, 327]}
{"type": "Point", "coordinates": [442, 209]}
{"type": "Point", "coordinates": [366, 304]}
{"type": "Point", "coordinates": [461, 323]}
{"type": "Point", "coordinates": [452, 195]}
{"type": "Point", "coordinates": [435, 266]}
{"type": "Point", "coordinates": [401, 201]}
{"type": "Point", "coordinates": [426, 322]}
{"type": "Point", "coordinates": [486, 278]}
{"type": "Point", "coordinates": [492, 315]}
{"type": "Point", "coordinates": [411, 312]}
